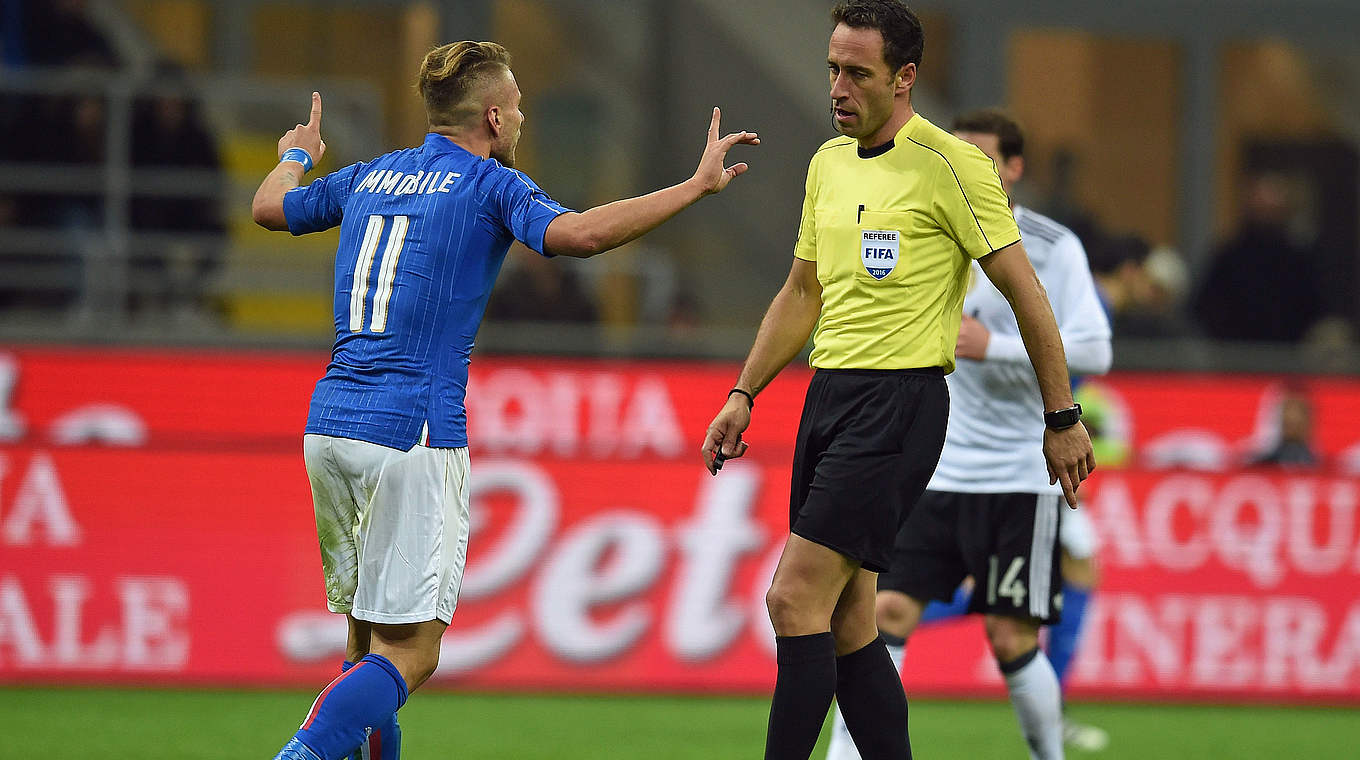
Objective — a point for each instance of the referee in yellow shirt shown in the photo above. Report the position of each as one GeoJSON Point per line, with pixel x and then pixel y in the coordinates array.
{"type": "Point", "coordinates": [894, 211]}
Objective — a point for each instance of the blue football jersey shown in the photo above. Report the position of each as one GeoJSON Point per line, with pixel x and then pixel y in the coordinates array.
{"type": "Point", "coordinates": [423, 233]}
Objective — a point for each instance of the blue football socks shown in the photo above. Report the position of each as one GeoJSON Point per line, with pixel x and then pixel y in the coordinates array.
{"type": "Point", "coordinates": [343, 715]}
{"type": "Point", "coordinates": [1063, 637]}
{"type": "Point", "coordinates": [384, 742]}
{"type": "Point", "coordinates": [936, 611]}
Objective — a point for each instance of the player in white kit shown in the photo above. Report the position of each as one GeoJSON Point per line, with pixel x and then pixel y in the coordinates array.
{"type": "Point", "coordinates": [990, 511]}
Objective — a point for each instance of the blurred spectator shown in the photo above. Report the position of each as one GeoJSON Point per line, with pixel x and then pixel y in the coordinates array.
{"type": "Point", "coordinates": [15, 136]}
{"type": "Point", "coordinates": [1261, 285]}
{"type": "Point", "coordinates": [75, 134]}
{"type": "Point", "coordinates": [1121, 280]}
{"type": "Point", "coordinates": [46, 129]}
{"type": "Point", "coordinates": [1291, 444]}
{"type": "Point", "coordinates": [540, 290]}
{"type": "Point", "coordinates": [59, 33]}
{"type": "Point", "coordinates": [168, 132]}
{"type": "Point", "coordinates": [62, 131]}
{"type": "Point", "coordinates": [1141, 288]}
{"type": "Point", "coordinates": [1170, 278]}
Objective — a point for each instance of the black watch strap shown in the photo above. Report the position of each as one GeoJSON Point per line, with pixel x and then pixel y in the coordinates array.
{"type": "Point", "coordinates": [1063, 418]}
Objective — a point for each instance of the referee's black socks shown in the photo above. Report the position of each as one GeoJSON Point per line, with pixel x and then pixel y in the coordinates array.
{"type": "Point", "coordinates": [869, 692]}
{"type": "Point", "coordinates": [802, 694]}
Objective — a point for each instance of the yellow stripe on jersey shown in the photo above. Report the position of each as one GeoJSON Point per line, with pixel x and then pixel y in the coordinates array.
{"type": "Point", "coordinates": [892, 236]}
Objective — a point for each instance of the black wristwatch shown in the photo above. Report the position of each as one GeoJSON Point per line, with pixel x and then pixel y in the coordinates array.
{"type": "Point", "coordinates": [1063, 418]}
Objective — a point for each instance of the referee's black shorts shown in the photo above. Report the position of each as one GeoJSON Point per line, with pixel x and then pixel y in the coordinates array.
{"type": "Point", "coordinates": [867, 445]}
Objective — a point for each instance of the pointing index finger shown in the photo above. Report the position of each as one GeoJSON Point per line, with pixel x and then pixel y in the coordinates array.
{"type": "Point", "coordinates": [315, 121]}
{"type": "Point", "coordinates": [1069, 489]}
{"type": "Point", "coordinates": [713, 124]}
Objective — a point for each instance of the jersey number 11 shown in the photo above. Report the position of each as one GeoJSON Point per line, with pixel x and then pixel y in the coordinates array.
{"type": "Point", "coordinates": [363, 266]}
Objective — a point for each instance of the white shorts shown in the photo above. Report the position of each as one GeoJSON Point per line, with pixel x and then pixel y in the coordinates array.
{"type": "Point", "coordinates": [393, 527]}
{"type": "Point", "coordinates": [1077, 534]}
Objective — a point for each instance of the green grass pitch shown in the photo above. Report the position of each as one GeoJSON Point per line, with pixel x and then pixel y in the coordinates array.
{"type": "Point", "coordinates": [149, 724]}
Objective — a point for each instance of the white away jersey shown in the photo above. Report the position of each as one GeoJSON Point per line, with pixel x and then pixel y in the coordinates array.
{"type": "Point", "coordinates": [996, 416]}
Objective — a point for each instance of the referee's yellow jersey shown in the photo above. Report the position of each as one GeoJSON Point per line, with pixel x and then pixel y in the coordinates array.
{"type": "Point", "coordinates": [892, 232]}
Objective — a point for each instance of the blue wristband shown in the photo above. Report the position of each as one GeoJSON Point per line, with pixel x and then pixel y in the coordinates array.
{"type": "Point", "coordinates": [299, 155]}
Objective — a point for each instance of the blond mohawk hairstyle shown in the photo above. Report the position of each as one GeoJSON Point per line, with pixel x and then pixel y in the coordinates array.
{"type": "Point", "coordinates": [448, 75]}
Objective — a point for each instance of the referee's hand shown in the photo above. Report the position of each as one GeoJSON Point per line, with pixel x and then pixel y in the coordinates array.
{"type": "Point", "coordinates": [723, 439]}
{"type": "Point", "coordinates": [1070, 459]}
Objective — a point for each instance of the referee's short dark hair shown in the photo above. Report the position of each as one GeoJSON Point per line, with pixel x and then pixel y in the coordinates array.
{"type": "Point", "coordinates": [994, 121]}
{"type": "Point", "coordinates": [903, 38]}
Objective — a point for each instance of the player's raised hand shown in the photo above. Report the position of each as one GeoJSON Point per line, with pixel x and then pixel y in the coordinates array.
{"type": "Point", "coordinates": [723, 440]}
{"type": "Point", "coordinates": [712, 175]}
{"type": "Point", "coordinates": [1070, 459]}
{"type": "Point", "coordinates": [306, 136]}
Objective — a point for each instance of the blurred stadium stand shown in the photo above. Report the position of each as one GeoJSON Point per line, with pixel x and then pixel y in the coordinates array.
{"type": "Point", "coordinates": [1144, 119]}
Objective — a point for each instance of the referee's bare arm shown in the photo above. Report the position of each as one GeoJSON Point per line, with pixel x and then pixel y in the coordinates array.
{"type": "Point", "coordinates": [787, 325]}
{"type": "Point", "coordinates": [1068, 451]}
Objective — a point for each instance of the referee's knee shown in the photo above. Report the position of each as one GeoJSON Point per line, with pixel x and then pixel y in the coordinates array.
{"type": "Point", "coordinates": [792, 613]}
{"type": "Point", "coordinates": [781, 605]}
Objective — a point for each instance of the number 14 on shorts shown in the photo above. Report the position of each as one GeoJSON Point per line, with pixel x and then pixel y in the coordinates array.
{"type": "Point", "coordinates": [1006, 584]}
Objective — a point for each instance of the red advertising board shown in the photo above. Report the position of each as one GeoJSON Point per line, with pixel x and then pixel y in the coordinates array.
{"type": "Point", "coordinates": [155, 526]}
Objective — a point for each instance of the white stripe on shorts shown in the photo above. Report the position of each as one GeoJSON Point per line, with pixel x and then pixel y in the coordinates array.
{"type": "Point", "coordinates": [1041, 553]}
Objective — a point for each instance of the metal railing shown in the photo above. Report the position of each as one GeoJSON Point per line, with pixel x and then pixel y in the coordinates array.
{"type": "Point", "coordinates": [94, 268]}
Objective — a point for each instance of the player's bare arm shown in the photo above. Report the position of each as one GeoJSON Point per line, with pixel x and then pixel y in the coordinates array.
{"type": "Point", "coordinates": [609, 226]}
{"type": "Point", "coordinates": [785, 329]}
{"type": "Point", "coordinates": [267, 208]}
{"type": "Point", "coordinates": [1067, 451]}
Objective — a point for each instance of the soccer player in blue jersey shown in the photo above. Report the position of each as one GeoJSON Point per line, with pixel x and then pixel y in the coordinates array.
{"type": "Point", "coordinates": [423, 232]}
